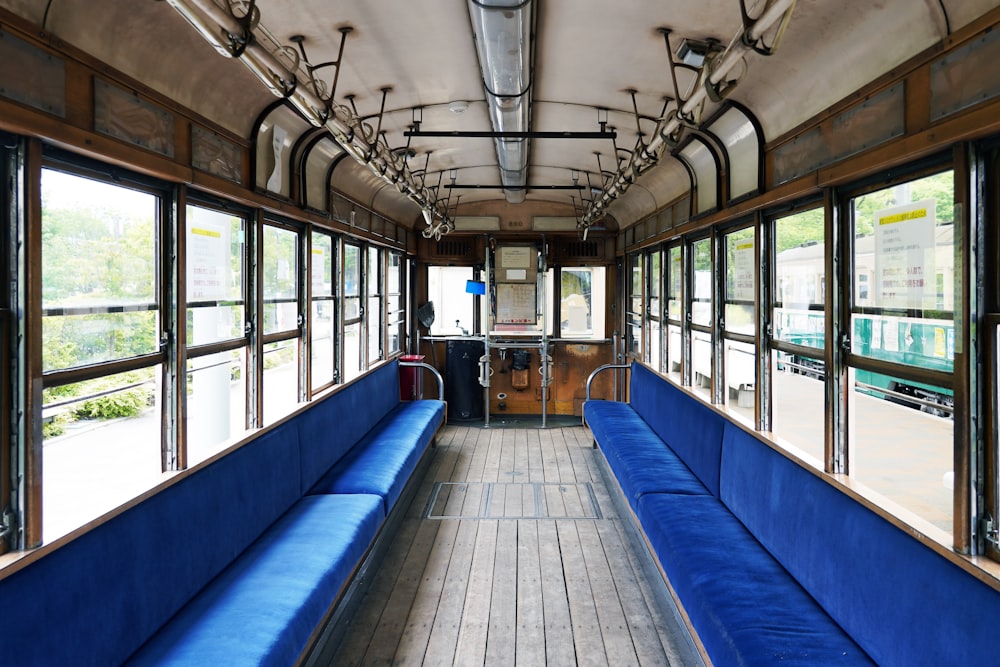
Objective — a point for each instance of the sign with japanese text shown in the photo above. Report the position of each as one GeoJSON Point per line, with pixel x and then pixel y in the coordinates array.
{"type": "Point", "coordinates": [904, 256]}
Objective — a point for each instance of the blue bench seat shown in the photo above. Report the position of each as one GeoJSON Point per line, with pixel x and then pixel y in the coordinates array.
{"type": "Point", "coordinates": [776, 563]}
{"type": "Point", "coordinates": [748, 610]}
{"type": "Point", "coordinates": [383, 460]}
{"type": "Point", "coordinates": [232, 562]}
{"type": "Point", "coordinates": [639, 459]}
{"type": "Point", "coordinates": [263, 609]}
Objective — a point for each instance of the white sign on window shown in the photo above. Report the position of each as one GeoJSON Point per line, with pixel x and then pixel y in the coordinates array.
{"type": "Point", "coordinates": [320, 276]}
{"type": "Point", "coordinates": [208, 259]}
{"type": "Point", "coordinates": [904, 256]}
{"type": "Point", "coordinates": [743, 271]}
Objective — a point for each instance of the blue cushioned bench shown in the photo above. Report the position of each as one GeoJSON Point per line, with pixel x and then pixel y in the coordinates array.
{"type": "Point", "coordinates": [241, 560]}
{"type": "Point", "coordinates": [771, 562]}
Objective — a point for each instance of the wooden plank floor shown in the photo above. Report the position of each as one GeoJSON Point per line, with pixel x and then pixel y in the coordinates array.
{"type": "Point", "coordinates": [512, 553]}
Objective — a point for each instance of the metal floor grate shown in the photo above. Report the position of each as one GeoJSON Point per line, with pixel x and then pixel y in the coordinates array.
{"type": "Point", "coordinates": [512, 500]}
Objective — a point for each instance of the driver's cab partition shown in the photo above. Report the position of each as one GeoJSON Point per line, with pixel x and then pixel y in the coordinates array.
{"type": "Point", "coordinates": [514, 336]}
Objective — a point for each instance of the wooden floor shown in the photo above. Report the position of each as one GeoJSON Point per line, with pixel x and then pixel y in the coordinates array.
{"type": "Point", "coordinates": [512, 553]}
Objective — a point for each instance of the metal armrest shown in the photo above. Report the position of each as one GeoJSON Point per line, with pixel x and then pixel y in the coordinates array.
{"type": "Point", "coordinates": [437, 375]}
{"type": "Point", "coordinates": [598, 370]}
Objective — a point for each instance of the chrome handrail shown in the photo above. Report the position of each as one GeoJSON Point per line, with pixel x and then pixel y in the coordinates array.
{"type": "Point", "coordinates": [593, 375]}
{"type": "Point", "coordinates": [437, 375]}
{"type": "Point", "coordinates": [598, 370]}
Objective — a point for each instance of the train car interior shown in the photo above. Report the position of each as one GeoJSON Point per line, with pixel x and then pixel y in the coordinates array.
{"type": "Point", "coordinates": [499, 332]}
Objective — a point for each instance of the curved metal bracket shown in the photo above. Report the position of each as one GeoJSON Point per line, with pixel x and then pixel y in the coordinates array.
{"type": "Point", "coordinates": [758, 44]}
{"type": "Point", "coordinates": [434, 371]}
{"type": "Point", "coordinates": [238, 43]}
{"type": "Point", "coordinates": [318, 86]}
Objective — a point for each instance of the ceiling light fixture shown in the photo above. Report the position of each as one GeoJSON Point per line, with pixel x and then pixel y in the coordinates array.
{"type": "Point", "coordinates": [503, 42]}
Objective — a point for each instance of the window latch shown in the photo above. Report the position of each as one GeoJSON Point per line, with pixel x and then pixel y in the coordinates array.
{"type": "Point", "coordinates": [8, 521]}
{"type": "Point", "coordinates": [990, 531]}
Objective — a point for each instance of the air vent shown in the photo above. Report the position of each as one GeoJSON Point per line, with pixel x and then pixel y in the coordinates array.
{"type": "Point", "coordinates": [581, 249]}
{"type": "Point", "coordinates": [453, 248]}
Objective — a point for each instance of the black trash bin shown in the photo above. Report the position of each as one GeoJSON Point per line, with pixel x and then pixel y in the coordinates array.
{"type": "Point", "coordinates": [462, 390]}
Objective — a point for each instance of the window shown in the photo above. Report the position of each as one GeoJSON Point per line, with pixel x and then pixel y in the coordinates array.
{"type": "Point", "coordinates": [100, 274]}
{"type": "Point", "coordinates": [673, 282]}
{"type": "Point", "coordinates": [798, 324]}
{"type": "Point", "coordinates": [654, 337]}
{"type": "Point", "coordinates": [217, 335]}
{"type": "Point", "coordinates": [280, 280]}
{"type": "Point", "coordinates": [352, 311]}
{"type": "Point", "coordinates": [701, 316]}
{"type": "Point", "coordinates": [739, 321]}
{"type": "Point", "coordinates": [903, 343]}
{"type": "Point", "coordinates": [582, 305]}
{"type": "Point", "coordinates": [634, 306]}
{"type": "Point", "coordinates": [454, 308]}
{"type": "Point", "coordinates": [101, 357]}
{"type": "Point", "coordinates": [373, 315]}
{"type": "Point", "coordinates": [395, 307]}
{"type": "Point", "coordinates": [323, 324]}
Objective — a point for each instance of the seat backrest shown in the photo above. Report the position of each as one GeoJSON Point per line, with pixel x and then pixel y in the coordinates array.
{"type": "Point", "coordinates": [691, 428]}
{"type": "Point", "coordinates": [902, 602]}
{"type": "Point", "coordinates": [329, 427]}
{"type": "Point", "coordinates": [96, 599]}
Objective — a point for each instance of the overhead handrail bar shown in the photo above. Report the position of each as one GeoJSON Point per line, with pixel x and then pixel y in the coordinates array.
{"type": "Point", "coordinates": [240, 38]}
{"type": "Point", "coordinates": [711, 77]}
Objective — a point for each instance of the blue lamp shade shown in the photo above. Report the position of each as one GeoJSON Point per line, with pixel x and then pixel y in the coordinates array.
{"type": "Point", "coordinates": [475, 287]}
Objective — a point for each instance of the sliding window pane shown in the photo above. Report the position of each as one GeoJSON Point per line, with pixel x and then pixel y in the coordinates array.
{"type": "Point", "coordinates": [800, 284]}
{"type": "Point", "coordinates": [373, 312]}
{"type": "Point", "coordinates": [798, 400]}
{"type": "Point", "coordinates": [352, 351]}
{"type": "Point", "coordinates": [654, 343]}
{"type": "Point", "coordinates": [102, 447]}
{"type": "Point", "coordinates": [904, 273]}
{"type": "Point", "coordinates": [741, 282]}
{"type": "Point", "coordinates": [322, 310]}
{"type": "Point", "coordinates": [904, 451]}
{"type": "Point", "coordinates": [216, 402]}
{"type": "Point", "coordinates": [673, 283]}
{"type": "Point", "coordinates": [280, 279]}
{"type": "Point", "coordinates": [352, 282]}
{"type": "Point", "coordinates": [215, 281]}
{"type": "Point", "coordinates": [395, 309]}
{"type": "Point", "coordinates": [701, 301]}
{"type": "Point", "coordinates": [99, 271]}
{"type": "Point", "coordinates": [281, 382]}
{"type": "Point", "coordinates": [903, 264]}
{"type": "Point", "coordinates": [633, 339]}
{"type": "Point", "coordinates": [100, 303]}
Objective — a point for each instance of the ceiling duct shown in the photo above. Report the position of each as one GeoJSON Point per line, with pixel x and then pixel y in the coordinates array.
{"type": "Point", "coordinates": [503, 42]}
{"type": "Point", "coordinates": [235, 31]}
{"type": "Point", "coordinates": [711, 82]}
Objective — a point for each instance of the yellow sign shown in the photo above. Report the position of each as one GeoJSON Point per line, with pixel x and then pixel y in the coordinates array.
{"type": "Point", "coordinates": [900, 217]}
